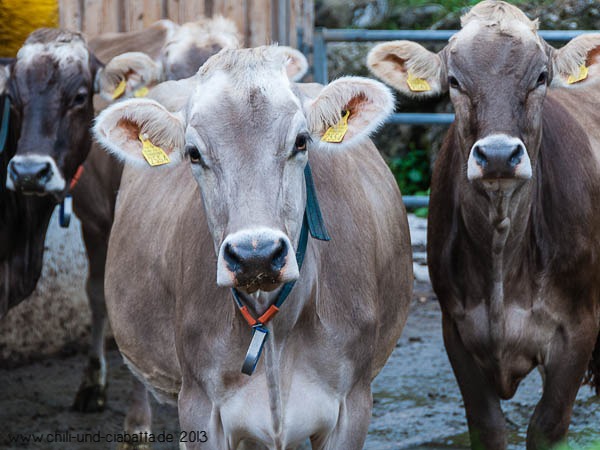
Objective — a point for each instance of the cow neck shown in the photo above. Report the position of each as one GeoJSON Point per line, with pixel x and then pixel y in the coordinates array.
{"type": "Point", "coordinates": [312, 222]}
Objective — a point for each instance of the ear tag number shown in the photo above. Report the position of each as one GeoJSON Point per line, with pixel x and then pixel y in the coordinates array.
{"type": "Point", "coordinates": [155, 156]}
{"type": "Point", "coordinates": [141, 92]}
{"type": "Point", "coordinates": [417, 84]}
{"type": "Point", "coordinates": [337, 132]}
{"type": "Point", "coordinates": [580, 76]}
{"type": "Point", "coordinates": [119, 90]}
{"type": "Point", "coordinates": [259, 337]}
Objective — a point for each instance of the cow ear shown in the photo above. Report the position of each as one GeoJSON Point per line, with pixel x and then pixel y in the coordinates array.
{"type": "Point", "coordinates": [577, 63]}
{"type": "Point", "coordinates": [409, 67]}
{"type": "Point", "coordinates": [348, 110]}
{"type": "Point", "coordinates": [126, 128]}
{"type": "Point", "coordinates": [127, 74]}
{"type": "Point", "coordinates": [296, 65]}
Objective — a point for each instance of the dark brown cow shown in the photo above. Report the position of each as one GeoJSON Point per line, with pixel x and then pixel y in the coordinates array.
{"type": "Point", "coordinates": [167, 48]}
{"type": "Point", "coordinates": [50, 87]}
{"type": "Point", "coordinates": [514, 226]}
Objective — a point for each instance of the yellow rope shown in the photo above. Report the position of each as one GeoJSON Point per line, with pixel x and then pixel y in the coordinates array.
{"type": "Point", "coordinates": [18, 18]}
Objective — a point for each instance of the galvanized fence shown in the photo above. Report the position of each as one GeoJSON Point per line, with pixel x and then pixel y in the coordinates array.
{"type": "Point", "coordinates": [322, 36]}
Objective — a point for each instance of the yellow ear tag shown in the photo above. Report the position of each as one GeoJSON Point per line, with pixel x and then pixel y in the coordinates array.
{"type": "Point", "coordinates": [141, 92]}
{"type": "Point", "coordinates": [119, 90]}
{"type": "Point", "coordinates": [337, 132]}
{"type": "Point", "coordinates": [155, 156]}
{"type": "Point", "coordinates": [582, 75]}
{"type": "Point", "coordinates": [417, 84]}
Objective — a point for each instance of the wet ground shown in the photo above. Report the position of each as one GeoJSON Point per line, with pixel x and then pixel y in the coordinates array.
{"type": "Point", "coordinates": [417, 404]}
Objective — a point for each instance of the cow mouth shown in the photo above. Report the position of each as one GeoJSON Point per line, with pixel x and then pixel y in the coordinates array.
{"type": "Point", "coordinates": [501, 184]}
{"type": "Point", "coordinates": [258, 285]}
{"type": "Point", "coordinates": [56, 195]}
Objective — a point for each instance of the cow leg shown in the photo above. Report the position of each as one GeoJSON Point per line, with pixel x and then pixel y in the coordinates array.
{"type": "Point", "coordinates": [487, 426]}
{"type": "Point", "coordinates": [91, 396]}
{"type": "Point", "coordinates": [138, 420]}
{"type": "Point", "coordinates": [564, 372]}
{"type": "Point", "coordinates": [353, 423]}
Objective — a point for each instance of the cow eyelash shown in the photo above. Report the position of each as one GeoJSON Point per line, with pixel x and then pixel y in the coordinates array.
{"type": "Point", "coordinates": [194, 154]}
{"type": "Point", "coordinates": [453, 82]}
{"type": "Point", "coordinates": [301, 143]}
{"type": "Point", "coordinates": [80, 98]}
{"type": "Point", "coordinates": [542, 79]}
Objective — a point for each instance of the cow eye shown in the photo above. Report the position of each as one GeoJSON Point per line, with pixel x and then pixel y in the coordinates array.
{"type": "Point", "coordinates": [453, 82]}
{"type": "Point", "coordinates": [542, 79]}
{"type": "Point", "coordinates": [194, 153]}
{"type": "Point", "coordinates": [301, 143]}
{"type": "Point", "coordinates": [80, 98]}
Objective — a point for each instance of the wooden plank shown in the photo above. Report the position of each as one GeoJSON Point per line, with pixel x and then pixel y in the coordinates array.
{"type": "Point", "coordinates": [134, 15]}
{"type": "Point", "coordinates": [70, 14]}
{"type": "Point", "coordinates": [152, 11]}
{"type": "Point", "coordinates": [92, 18]}
{"type": "Point", "coordinates": [260, 23]}
{"type": "Point", "coordinates": [191, 10]}
{"type": "Point", "coordinates": [235, 10]}
{"type": "Point", "coordinates": [110, 16]}
{"type": "Point", "coordinates": [173, 10]}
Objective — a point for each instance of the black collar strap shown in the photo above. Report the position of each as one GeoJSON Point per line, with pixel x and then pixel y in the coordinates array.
{"type": "Point", "coordinates": [4, 126]}
{"type": "Point", "coordinates": [312, 222]}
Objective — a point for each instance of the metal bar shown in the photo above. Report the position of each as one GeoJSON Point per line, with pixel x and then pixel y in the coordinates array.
{"type": "Point", "coordinates": [362, 35]}
{"type": "Point", "coordinates": [415, 201]}
{"type": "Point", "coordinates": [319, 58]}
{"type": "Point", "coordinates": [421, 118]}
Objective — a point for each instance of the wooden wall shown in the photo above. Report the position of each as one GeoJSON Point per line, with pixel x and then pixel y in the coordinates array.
{"type": "Point", "coordinates": [259, 21]}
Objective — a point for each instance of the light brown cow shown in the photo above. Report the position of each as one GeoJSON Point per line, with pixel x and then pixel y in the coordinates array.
{"type": "Point", "coordinates": [514, 226]}
{"type": "Point", "coordinates": [245, 134]}
{"type": "Point", "coordinates": [162, 51]}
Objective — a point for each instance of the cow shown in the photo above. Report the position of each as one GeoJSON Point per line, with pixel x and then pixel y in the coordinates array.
{"type": "Point", "coordinates": [514, 227]}
{"type": "Point", "coordinates": [140, 60]}
{"type": "Point", "coordinates": [46, 98]}
{"type": "Point", "coordinates": [222, 227]}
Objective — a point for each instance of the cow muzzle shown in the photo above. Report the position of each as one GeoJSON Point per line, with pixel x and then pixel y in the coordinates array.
{"type": "Point", "coordinates": [499, 156]}
{"type": "Point", "coordinates": [256, 260]}
{"type": "Point", "coordinates": [34, 174]}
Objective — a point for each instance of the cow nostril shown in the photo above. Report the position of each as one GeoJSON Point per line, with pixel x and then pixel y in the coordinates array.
{"type": "Point", "coordinates": [515, 156]}
{"type": "Point", "coordinates": [231, 257]}
{"type": "Point", "coordinates": [45, 172]}
{"type": "Point", "coordinates": [279, 255]}
{"type": "Point", "coordinates": [480, 156]}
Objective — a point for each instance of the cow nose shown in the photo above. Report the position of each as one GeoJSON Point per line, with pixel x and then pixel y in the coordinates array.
{"type": "Point", "coordinates": [498, 156]}
{"type": "Point", "coordinates": [260, 260]}
{"type": "Point", "coordinates": [29, 175]}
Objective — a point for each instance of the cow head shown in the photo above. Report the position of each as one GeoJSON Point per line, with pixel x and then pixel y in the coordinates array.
{"type": "Point", "coordinates": [50, 85]}
{"type": "Point", "coordinates": [497, 69]}
{"type": "Point", "coordinates": [186, 48]}
{"type": "Point", "coordinates": [246, 132]}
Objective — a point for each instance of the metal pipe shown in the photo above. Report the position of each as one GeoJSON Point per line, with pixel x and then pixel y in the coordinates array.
{"type": "Point", "coordinates": [421, 118]}
{"type": "Point", "coordinates": [415, 201]}
{"type": "Point", "coordinates": [362, 35]}
{"type": "Point", "coordinates": [319, 57]}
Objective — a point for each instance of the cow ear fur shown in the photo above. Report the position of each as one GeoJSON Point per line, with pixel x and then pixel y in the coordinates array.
{"type": "Point", "coordinates": [567, 62]}
{"type": "Point", "coordinates": [118, 129]}
{"type": "Point", "coordinates": [408, 67]}
{"type": "Point", "coordinates": [137, 69]}
{"type": "Point", "coordinates": [297, 65]}
{"type": "Point", "coordinates": [368, 103]}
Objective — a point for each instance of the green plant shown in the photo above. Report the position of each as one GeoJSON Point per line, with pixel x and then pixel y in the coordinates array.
{"type": "Point", "coordinates": [412, 172]}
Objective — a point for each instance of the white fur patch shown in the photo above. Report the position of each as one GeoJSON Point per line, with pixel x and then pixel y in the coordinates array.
{"type": "Point", "coordinates": [57, 182]}
{"type": "Point", "coordinates": [65, 53]}
{"type": "Point", "coordinates": [522, 170]}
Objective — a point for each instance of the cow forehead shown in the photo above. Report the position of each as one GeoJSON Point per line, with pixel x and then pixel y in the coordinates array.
{"type": "Point", "coordinates": [252, 96]}
{"type": "Point", "coordinates": [66, 54]}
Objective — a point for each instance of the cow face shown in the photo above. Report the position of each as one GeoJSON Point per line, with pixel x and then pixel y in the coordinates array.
{"type": "Point", "coordinates": [50, 85]}
{"type": "Point", "coordinates": [497, 70]}
{"type": "Point", "coordinates": [246, 132]}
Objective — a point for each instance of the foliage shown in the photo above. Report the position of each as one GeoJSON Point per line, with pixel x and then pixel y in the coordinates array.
{"type": "Point", "coordinates": [595, 446]}
{"type": "Point", "coordinates": [412, 174]}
